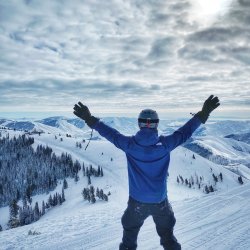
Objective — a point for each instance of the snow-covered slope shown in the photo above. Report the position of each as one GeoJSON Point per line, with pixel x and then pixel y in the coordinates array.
{"type": "Point", "coordinates": [219, 220]}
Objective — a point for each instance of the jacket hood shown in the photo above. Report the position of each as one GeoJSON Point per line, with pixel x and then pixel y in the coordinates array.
{"type": "Point", "coordinates": [147, 136]}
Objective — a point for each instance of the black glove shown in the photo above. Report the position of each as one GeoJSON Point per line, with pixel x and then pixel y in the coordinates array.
{"type": "Point", "coordinates": [83, 112]}
{"type": "Point", "coordinates": [209, 105]}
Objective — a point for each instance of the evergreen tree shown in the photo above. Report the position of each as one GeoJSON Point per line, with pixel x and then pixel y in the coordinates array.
{"type": "Point", "coordinates": [240, 180]}
{"type": "Point", "coordinates": [36, 212]}
{"type": "Point", "coordinates": [83, 169]}
{"type": "Point", "coordinates": [21, 217]}
{"type": "Point", "coordinates": [59, 199]}
{"type": "Point", "coordinates": [182, 180]}
{"type": "Point", "coordinates": [65, 184]}
{"type": "Point", "coordinates": [88, 197]}
{"type": "Point", "coordinates": [1, 229]}
{"type": "Point", "coordinates": [101, 172]}
{"type": "Point", "coordinates": [206, 189]}
{"type": "Point", "coordinates": [55, 199]}
{"type": "Point", "coordinates": [215, 178]}
{"type": "Point", "coordinates": [101, 194]}
{"type": "Point", "coordinates": [84, 193]}
{"type": "Point", "coordinates": [211, 189]}
{"type": "Point", "coordinates": [92, 198]}
{"type": "Point", "coordinates": [105, 197]}
{"type": "Point", "coordinates": [89, 180]}
{"type": "Point", "coordinates": [221, 177]}
{"type": "Point", "coordinates": [92, 190]}
{"type": "Point", "coordinates": [43, 208]}
{"type": "Point", "coordinates": [28, 194]}
{"type": "Point", "coordinates": [13, 210]}
{"type": "Point", "coordinates": [178, 181]}
{"type": "Point", "coordinates": [76, 178]}
{"type": "Point", "coordinates": [50, 201]}
{"type": "Point", "coordinates": [63, 196]}
{"type": "Point", "coordinates": [24, 200]}
{"type": "Point", "coordinates": [98, 193]}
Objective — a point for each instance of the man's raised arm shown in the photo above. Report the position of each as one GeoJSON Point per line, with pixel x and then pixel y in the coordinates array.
{"type": "Point", "coordinates": [182, 134]}
{"type": "Point", "coordinates": [111, 134]}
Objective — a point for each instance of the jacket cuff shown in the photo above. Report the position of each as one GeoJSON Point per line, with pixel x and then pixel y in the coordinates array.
{"type": "Point", "coordinates": [92, 121]}
{"type": "Point", "coordinates": [202, 116]}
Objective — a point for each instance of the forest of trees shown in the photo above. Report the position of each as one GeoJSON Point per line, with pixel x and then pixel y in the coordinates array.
{"type": "Point", "coordinates": [198, 182]}
{"type": "Point", "coordinates": [25, 171]}
{"type": "Point", "coordinates": [26, 214]}
{"type": "Point", "coordinates": [90, 194]}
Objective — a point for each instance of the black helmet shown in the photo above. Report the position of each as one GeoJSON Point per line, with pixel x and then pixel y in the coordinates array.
{"type": "Point", "coordinates": [148, 118]}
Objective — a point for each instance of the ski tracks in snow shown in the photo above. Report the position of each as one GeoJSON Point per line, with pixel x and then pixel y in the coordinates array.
{"type": "Point", "coordinates": [219, 222]}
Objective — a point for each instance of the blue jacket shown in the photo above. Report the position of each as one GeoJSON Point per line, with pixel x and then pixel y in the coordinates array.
{"type": "Point", "coordinates": [148, 157]}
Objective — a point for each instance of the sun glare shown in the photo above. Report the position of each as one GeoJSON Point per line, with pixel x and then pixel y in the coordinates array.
{"type": "Point", "coordinates": [208, 11]}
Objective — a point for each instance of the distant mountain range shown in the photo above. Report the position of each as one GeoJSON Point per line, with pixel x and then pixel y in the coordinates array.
{"type": "Point", "coordinates": [224, 142]}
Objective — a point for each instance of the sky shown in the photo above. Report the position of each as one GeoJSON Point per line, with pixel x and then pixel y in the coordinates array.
{"type": "Point", "coordinates": [121, 56]}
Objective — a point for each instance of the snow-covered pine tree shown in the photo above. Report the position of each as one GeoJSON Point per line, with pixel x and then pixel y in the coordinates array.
{"type": "Point", "coordinates": [221, 177]}
{"type": "Point", "coordinates": [76, 178]}
{"type": "Point", "coordinates": [240, 180]}
{"type": "Point", "coordinates": [105, 197]}
{"type": "Point", "coordinates": [215, 178]}
{"type": "Point", "coordinates": [101, 194]}
{"type": "Point", "coordinates": [92, 198]}
{"type": "Point", "coordinates": [47, 206]}
{"type": "Point", "coordinates": [211, 189]}
{"type": "Point", "coordinates": [97, 192]}
{"type": "Point", "coordinates": [50, 201]}
{"type": "Point", "coordinates": [43, 208]}
{"type": "Point", "coordinates": [21, 216]}
{"type": "Point", "coordinates": [178, 181]}
{"type": "Point", "coordinates": [206, 189]}
{"type": "Point", "coordinates": [65, 184]}
{"type": "Point", "coordinates": [83, 169]}
{"type": "Point", "coordinates": [92, 190]}
{"type": "Point", "coordinates": [89, 180]}
{"type": "Point", "coordinates": [63, 196]}
{"type": "Point", "coordinates": [13, 211]}
{"type": "Point", "coordinates": [36, 212]}
{"type": "Point", "coordinates": [59, 199]}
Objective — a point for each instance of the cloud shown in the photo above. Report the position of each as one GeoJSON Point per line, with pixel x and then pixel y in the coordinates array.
{"type": "Point", "coordinates": [122, 53]}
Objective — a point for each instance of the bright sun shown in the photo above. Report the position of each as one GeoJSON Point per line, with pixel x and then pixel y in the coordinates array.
{"type": "Point", "coordinates": [207, 11]}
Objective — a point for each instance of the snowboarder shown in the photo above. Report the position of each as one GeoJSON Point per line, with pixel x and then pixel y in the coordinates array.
{"type": "Point", "coordinates": [148, 156]}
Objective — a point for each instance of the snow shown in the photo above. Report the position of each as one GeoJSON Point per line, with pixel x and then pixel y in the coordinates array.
{"type": "Point", "coordinates": [219, 220]}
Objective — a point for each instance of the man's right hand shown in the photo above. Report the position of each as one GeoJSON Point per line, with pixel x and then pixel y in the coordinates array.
{"type": "Point", "coordinates": [82, 111]}
{"type": "Point", "coordinates": [209, 105]}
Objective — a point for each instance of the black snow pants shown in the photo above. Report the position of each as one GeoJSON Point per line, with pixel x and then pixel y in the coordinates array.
{"type": "Point", "coordinates": [133, 219]}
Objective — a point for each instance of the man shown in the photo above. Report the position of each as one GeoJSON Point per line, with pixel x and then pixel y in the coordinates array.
{"type": "Point", "coordinates": [148, 157]}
